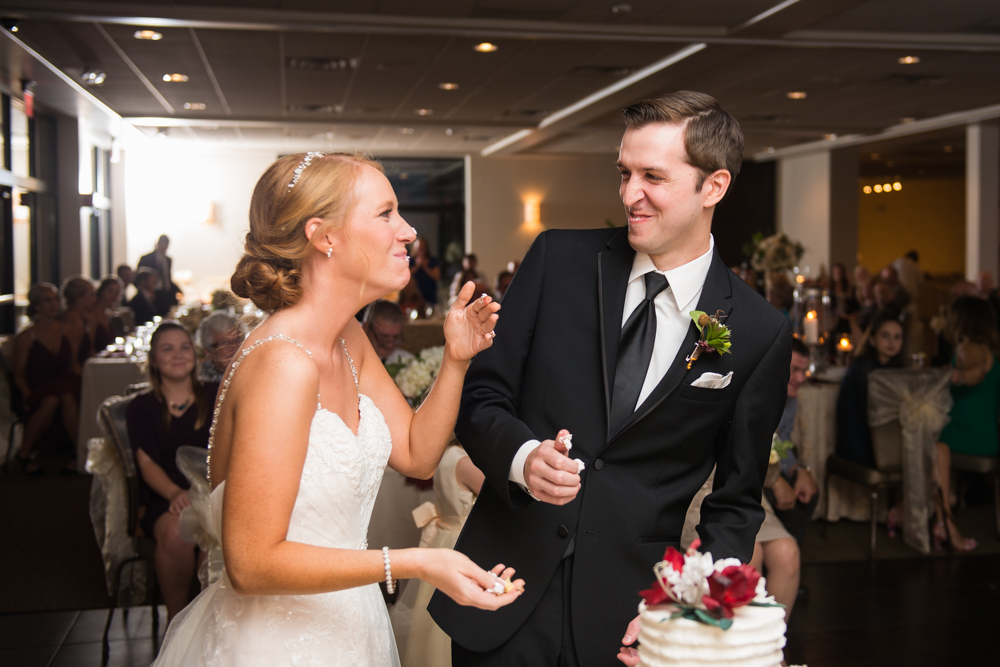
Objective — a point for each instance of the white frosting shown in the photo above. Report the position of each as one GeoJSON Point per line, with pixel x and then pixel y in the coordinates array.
{"type": "Point", "coordinates": [755, 639]}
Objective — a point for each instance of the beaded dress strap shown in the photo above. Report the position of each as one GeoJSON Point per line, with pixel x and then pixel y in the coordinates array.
{"type": "Point", "coordinates": [350, 360]}
{"type": "Point", "coordinates": [229, 378]}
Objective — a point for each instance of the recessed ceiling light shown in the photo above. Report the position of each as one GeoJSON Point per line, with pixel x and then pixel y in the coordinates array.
{"type": "Point", "coordinates": [947, 149]}
{"type": "Point", "coordinates": [908, 60]}
{"type": "Point", "coordinates": [796, 95]}
{"type": "Point", "coordinates": [878, 187]}
{"type": "Point", "coordinates": [897, 186]}
{"type": "Point", "coordinates": [448, 86]}
{"type": "Point", "coordinates": [830, 137]}
{"type": "Point", "coordinates": [449, 131]}
{"type": "Point", "coordinates": [406, 130]}
{"type": "Point", "coordinates": [424, 112]}
{"type": "Point", "coordinates": [907, 120]}
{"type": "Point", "coordinates": [175, 78]}
{"type": "Point", "coordinates": [770, 149]}
{"type": "Point", "coordinates": [867, 189]}
{"type": "Point", "coordinates": [486, 47]}
{"type": "Point", "coordinates": [195, 106]}
{"type": "Point", "coordinates": [93, 77]}
{"type": "Point", "coordinates": [148, 34]}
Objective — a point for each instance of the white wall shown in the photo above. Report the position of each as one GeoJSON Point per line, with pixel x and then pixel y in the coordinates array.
{"type": "Point", "coordinates": [804, 206]}
{"type": "Point", "coordinates": [171, 189]}
{"type": "Point", "coordinates": [576, 192]}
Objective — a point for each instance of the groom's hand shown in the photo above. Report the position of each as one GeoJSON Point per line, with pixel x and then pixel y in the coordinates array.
{"type": "Point", "coordinates": [550, 475]}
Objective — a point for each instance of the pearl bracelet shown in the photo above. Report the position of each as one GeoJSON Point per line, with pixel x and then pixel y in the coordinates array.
{"type": "Point", "coordinates": [390, 585]}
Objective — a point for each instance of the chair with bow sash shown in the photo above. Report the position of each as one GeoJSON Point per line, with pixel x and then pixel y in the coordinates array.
{"type": "Point", "coordinates": [906, 411]}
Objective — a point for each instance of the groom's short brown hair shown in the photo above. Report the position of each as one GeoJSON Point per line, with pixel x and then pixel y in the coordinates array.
{"type": "Point", "coordinates": [712, 137]}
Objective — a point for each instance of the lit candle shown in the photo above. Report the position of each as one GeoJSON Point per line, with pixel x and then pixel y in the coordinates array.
{"type": "Point", "coordinates": [845, 344]}
{"type": "Point", "coordinates": [811, 328]}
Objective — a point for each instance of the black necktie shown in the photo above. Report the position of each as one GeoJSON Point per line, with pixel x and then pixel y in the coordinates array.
{"type": "Point", "coordinates": [635, 349]}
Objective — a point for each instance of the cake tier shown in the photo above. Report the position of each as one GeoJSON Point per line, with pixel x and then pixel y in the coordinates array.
{"type": "Point", "coordinates": [754, 640]}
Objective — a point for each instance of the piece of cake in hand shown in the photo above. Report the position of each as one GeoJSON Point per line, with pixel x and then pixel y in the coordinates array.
{"type": "Point", "coordinates": [705, 613]}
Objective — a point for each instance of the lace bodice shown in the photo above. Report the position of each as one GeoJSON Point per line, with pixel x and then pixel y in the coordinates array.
{"type": "Point", "coordinates": [340, 480]}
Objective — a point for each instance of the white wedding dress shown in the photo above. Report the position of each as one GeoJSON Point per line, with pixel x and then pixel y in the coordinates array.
{"type": "Point", "coordinates": [340, 479]}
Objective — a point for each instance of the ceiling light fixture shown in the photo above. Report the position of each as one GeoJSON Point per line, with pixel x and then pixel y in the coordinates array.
{"type": "Point", "coordinates": [449, 131]}
{"type": "Point", "coordinates": [151, 35]}
{"type": "Point", "coordinates": [877, 188]}
{"type": "Point", "coordinates": [908, 60]}
{"type": "Point", "coordinates": [887, 187]}
{"type": "Point", "coordinates": [448, 86]}
{"type": "Point", "coordinates": [796, 95]}
{"type": "Point", "coordinates": [897, 186]}
{"type": "Point", "coordinates": [486, 47]}
{"type": "Point", "coordinates": [175, 78]}
{"type": "Point", "coordinates": [406, 130]}
{"type": "Point", "coordinates": [424, 112]}
{"type": "Point", "coordinates": [195, 106]}
{"type": "Point", "coordinates": [93, 77]}
{"type": "Point", "coordinates": [867, 189]}
{"type": "Point", "coordinates": [830, 137]}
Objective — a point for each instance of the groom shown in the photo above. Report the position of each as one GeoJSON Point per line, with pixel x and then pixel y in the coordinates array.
{"type": "Point", "coordinates": [593, 339]}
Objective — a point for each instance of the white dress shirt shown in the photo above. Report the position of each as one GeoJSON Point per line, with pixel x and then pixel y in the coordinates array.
{"type": "Point", "coordinates": [673, 307]}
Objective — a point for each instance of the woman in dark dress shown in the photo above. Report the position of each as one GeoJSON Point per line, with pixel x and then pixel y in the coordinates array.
{"type": "Point", "coordinates": [882, 349]}
{"type": "Point", "coordinates": [79, 299]}
{"type": "Point", "coordinates": [176, 412]}
{"type": "Point", "coordinates": [43, 373]}
{"type": "Point", "coordinates": [108, 295]}
{"type": "Point", "coordinates": [426, 271]}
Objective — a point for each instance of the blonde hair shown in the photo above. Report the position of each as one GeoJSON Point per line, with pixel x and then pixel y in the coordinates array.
{"type": "Point", "coordinates": [270, 270]}
{"type": "Point", "coordinates": [75, 287]}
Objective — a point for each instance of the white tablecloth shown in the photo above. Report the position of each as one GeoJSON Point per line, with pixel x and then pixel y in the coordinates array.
{"type": "Point", "coordinates": [102, 378]}
{"type": "Point", "coordinates": [815, 438]}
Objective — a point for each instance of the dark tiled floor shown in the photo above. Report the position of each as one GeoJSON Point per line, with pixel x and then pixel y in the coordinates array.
{"type": "Point", "coordinates": [73, 638]}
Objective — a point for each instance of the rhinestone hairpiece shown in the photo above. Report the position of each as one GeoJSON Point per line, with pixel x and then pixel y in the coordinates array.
{"type": "Point", "coordinates": [310, 156]}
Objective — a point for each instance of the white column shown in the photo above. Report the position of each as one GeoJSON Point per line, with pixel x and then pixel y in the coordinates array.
{"type": "Point", "coordinates": [982, 199]}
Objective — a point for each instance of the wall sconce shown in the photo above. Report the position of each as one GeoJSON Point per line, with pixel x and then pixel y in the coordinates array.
{"type": "Point", "coordinates": [532, 214]}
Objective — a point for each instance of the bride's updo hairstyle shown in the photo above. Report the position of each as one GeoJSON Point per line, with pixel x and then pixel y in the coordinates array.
{"type": "Point", "coordinates": [269, 271]}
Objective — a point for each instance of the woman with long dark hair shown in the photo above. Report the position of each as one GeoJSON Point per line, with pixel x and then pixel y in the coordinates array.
{"type": "Point", "coordinates": [175, 412]}
{"type": "Point", "coordinates": [975, 393]}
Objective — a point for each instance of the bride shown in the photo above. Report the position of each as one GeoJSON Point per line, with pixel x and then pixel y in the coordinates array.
{"type": "Point", "coordinates": [305, 423]}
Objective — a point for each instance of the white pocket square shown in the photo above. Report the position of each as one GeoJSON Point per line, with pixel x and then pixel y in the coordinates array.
{"type": "Point", "coordinates": [713, 380]}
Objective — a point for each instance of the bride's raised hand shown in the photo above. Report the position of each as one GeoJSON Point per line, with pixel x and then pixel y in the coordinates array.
{"type": "Point", "coordinates": [452, 573]}
{"type": "Point", "coordinates": [468, 330]}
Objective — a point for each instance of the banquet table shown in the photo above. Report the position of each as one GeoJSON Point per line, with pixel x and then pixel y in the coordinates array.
{"type": "Point", "coordinates": [102, 378]}
{"type": "Point", "coordinates": [815, 438]}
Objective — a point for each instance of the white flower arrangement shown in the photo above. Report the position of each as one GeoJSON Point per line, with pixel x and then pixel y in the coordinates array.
{"type": "Point", "coordinates": [416, 378]}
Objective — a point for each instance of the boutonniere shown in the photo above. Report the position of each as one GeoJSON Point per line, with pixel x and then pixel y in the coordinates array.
{"type": "Point", "coordinates": [714, 335]}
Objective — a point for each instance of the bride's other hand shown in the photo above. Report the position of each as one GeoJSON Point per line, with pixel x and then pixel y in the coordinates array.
{"type": "Point", "coordinates": [452, 573]}
{"type": "Point", "coordinates": [468, 330]}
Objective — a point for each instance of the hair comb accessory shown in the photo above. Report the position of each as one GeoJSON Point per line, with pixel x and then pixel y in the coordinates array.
{"type": "Point", "coordinates": [306, 161]}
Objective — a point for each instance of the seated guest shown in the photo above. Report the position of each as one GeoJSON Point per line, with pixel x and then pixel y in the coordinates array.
{"type": "Point", "coordinates": [43, 373]}
{"type": "Point", "coordinates": [890, 276]}
{"type": "Point", "coordinates": [882, 300]}
{"type": "Point", "coordinates": [384, 327]}
{"type": "Point", "coordinates": [126, 274]}
{"type": "Point", "coordinates": [143, 304]}
{"type": "Point", "coordinates": [882, 348]}
{"type": "Point", "coordinates": [79, 300]}
{"type": "Point", "coordinates": [975, 393]}
{"type": "Point", "coordinates": [411, 301]}
{"type": "Point", "coordinates": [789, 502]}
{"type": "Point", "coordinates": [220, 337]}
{"type": "Point", "coordinates": [176, 411]}
{"type": "Point", "coordinates": [108, 297]}
{"type": "Point", "coordinates": [503, 282]}
{"type": "Point", "coordinates": [470, 271]}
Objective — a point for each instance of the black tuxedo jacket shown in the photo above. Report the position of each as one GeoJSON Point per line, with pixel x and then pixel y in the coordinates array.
{"type": "Point", "coordinates": [552, 366]}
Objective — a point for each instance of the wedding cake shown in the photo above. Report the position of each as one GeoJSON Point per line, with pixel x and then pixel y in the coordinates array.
{"type": "Point", "coordinates": [701, 612]}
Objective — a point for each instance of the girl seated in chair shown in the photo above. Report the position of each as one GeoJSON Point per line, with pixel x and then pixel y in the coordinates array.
{"type": "Point", "coordinates": [176, 411]}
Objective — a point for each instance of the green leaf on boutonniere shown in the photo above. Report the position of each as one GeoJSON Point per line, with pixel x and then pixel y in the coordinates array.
{"type": "Point", "coordinates": [714, 334]}
{"type": "Point", "coordinates": [765, 604]}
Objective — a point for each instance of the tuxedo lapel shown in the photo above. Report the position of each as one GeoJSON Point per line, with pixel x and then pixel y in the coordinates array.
{"type": "Point", "coordinates": [613, 268]}
{"type": "Point", "coordinates": [715, 296]}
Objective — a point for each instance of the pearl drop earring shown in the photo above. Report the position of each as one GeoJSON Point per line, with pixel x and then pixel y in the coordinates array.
{"type": "Point", "coordinates": [329, 253]}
